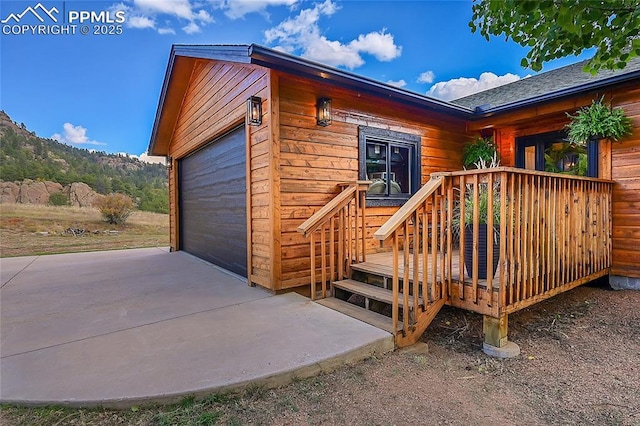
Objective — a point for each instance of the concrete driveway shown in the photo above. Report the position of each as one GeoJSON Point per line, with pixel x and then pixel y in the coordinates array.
{"type": "Point", "coordinates": [127, 327]}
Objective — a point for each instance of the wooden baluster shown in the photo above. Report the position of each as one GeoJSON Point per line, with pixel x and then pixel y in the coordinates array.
{"type": "Point", "coordinates": [363, 204]}
{"type": "Point", "coordinates": [313, 266]}
{"type": "Point", "coordinates": [356, 227]}
{"type": "Point", "coordinates": [341, 263]}
{"type": "Point", "coordinates": [405, 277]}
{"type": "Point", "coordinates": [502, 292]}
{"type": "Point", "coordinates": [427, 287]}
{"type": "Point", "coordinates": [490, 235]}
{"type": "Point", "coordinates": [332, 250]}
{"type": "Point", "coordinates": [512, 238]}
{"type": "Point", "coordinates": [395, 284]}
{"type": "Point", "coordinates": [416, 262]}
{"type": "Point", "coordinates": [463, 214]}
{"type": "Point", "coordinates": [518, 264]}
{"type": "Point", "coordinates": [434, 247]}
{"type": "Point", "coordinates": [323, 260]}
{"type": "Point", "coordinates": [476, 237]}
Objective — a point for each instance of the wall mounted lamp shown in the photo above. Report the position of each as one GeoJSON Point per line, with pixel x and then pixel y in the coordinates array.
{"type": "Point", "coordinates": [323, 113]}
{"type": "Point", "coordinates": [254, 110]}
{"type": "Point", "coordinates": [169, 161]}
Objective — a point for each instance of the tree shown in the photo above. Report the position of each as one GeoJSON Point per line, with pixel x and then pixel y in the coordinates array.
{"type": "Point", "coordinates": [558, 28]}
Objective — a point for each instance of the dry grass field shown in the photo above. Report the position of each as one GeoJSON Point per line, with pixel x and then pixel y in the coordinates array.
{"type": "Point", "coordinates": [27, 229]}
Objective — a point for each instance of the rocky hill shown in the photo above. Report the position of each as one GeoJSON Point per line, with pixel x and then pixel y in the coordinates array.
{"type": "Point", "coordinates": [25, 156]}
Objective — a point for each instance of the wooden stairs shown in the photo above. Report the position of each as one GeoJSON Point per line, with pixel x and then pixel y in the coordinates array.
{"type": "Point", "coordinates": [369, 298]}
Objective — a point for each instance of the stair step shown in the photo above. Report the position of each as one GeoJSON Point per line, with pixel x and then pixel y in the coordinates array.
{"type": "Point", "coordinates": [380, 321]}
{"type": "Point", "coordinates": [371, 292]}
{"type": "Point", "coordinates": [385, 271]}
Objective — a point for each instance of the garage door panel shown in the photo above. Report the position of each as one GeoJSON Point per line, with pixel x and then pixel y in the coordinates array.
{"type": "Point", "coordinates": [213, 203]}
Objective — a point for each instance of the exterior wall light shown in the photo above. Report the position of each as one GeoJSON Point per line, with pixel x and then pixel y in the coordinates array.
{"type": "Point", "coordinates": [254, 110]}
{"type": "Point", "coordinates": [323, 111]}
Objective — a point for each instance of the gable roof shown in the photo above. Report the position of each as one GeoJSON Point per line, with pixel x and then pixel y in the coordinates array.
{"type": "Point", "coordinates": [543, 87]}
{"type": "Point", "coordinates": [546, 86]}
{"type": "Point", "coordinates": [182, 60]}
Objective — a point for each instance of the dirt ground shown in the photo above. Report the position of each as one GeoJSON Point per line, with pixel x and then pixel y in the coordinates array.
{"type": "Point", "coordinates": [579, 364]}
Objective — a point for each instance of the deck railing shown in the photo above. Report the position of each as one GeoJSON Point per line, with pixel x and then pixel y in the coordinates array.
{"type": "Point", "coordinates": [419, 225]}
{"type": "Point", "coordinates": [338, 231]}
{"type": "Point", "coordinates": [545, 232]}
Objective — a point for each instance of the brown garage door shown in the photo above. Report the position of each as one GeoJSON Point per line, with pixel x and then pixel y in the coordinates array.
{"type": "Point", "coordinates": [212, 188]}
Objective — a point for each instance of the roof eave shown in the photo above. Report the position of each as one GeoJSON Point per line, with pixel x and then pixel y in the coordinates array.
{"type": "Point", "coordinates": [284, 62]}
{"type": "Point", "coordinates": [236, 53]}
{"type": "Point", "coordinates": [571, 91]}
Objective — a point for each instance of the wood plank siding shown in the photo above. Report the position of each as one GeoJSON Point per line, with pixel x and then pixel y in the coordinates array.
{"type": "Point", "coordinates": [213, 104]}
{"type": "Point", "coordinates": [314, 159]}
{"type": "Point", "coordinates": [619, 161]}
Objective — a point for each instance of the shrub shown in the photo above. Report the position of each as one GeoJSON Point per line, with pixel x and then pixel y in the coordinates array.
{"type": "Point", "coordinates": [58, 199]}
{"type": "Point", "coordinates": [115, 208]}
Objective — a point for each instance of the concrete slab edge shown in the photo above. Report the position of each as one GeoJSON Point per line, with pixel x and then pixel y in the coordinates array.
{"type": "Point", "coordinates": [275, 380]}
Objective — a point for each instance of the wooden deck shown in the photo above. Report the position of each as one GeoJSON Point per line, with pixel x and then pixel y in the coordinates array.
{"type": "Point", "coordinates": [382, 264]}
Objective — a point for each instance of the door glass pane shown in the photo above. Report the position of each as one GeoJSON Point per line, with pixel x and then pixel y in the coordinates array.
{"type": "Point", "coordinates": [400, 174]}
{"type": "Point", "coordinates": [377, 167]}
{"type": "Point", "coordinates": [530, 157]}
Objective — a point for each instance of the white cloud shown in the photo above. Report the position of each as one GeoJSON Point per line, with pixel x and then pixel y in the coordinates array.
{"type": "Point", "coordinates": [141, 22]}
{"type": "Point", "coordinates": [239, 8]}
{"type": "Point", "coordinates": [142, 14]}
{"type": "Point", "coordinates": [166, 30]}
{"type": "Point", "coordinates": [461, 87]}
{"type": "Point", "coordinates": [426, 77]}
{"type": "Point", "coordinates": [399, 83]}
{"type": "Point", "coordinates": [379, 44]}
{"type": "Point", "coordinates": [191, 28]}
{"type": "Point", "coordinates": [144, 157]}
{"type": "Point", "coordinates": [302, 33]}
{"type": "Point", "coordinates": [74, 135]}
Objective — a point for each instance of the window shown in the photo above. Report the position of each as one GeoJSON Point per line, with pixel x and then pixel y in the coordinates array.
{"type": "Point", "coordinates": [390, 160]}
{"type": "Point", "coordinates": [552, 153]}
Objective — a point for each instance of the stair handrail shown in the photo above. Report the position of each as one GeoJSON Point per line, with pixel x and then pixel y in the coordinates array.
{"type": "Point", "coordinates": [404, 212]}
{"type": "Point", "coordinates": [419, 224]}
{"type": "Point", "coordinates": [327, 211]}
{"type": "Point", "coordinates": [339, 217]}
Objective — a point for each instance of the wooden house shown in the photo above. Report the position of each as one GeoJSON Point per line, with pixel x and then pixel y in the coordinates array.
{"type": "Point", "coordinates": [297, 175]}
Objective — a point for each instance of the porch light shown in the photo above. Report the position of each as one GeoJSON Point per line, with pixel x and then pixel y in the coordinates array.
{"type": "Point", "coordinates": [323, 111]}
{"type": "Point", "coordinates": [254, 110]}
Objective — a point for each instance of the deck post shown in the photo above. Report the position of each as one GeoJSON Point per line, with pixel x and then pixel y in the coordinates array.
{"type": "Point", "coordinates": [495, 337]}
{"type": "Point", "coordinates": [495, 330]}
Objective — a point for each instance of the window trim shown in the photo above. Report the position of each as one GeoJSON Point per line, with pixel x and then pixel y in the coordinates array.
{"type": "Point", "coordinates": [374, 134]}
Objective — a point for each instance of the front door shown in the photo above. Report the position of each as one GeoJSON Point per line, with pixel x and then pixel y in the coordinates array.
{"type": "Point", "coordinates": [552, 153]}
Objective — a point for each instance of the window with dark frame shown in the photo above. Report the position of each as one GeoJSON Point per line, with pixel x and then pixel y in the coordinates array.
{"type": "Point", "coordinates": [391, 161]}
{"type": "Point", "coordinates": [552, 153]}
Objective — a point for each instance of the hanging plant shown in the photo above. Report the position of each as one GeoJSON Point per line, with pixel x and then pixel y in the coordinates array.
{"type": "Point", "coordinates": [597, 121]}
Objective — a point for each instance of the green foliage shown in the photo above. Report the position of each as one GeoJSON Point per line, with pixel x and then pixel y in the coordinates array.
{"type": "Point", "coordinates": [25, 156]}
{"type": "Point", "coordinates": [554, 156]}
{"type": "Point", "coordinates": [598, 121]}
{"type": "Point", "coordinates": [115, 208]}
{"type": "Point", "coordinates": [58, 199]}
{"type": "Point", "coordinates": [483, 204]}
{"type": "Point", "coordinates": [555, 29]}
{"type": "Point", "coordinates": [480, 151]}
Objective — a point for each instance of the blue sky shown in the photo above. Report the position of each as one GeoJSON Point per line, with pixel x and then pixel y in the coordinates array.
{"type": "Point", "coordinates": [101, 91]}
